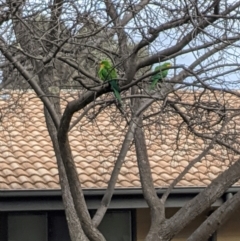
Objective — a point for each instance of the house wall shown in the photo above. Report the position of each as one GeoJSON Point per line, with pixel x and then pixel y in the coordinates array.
{"type": "Point", "coordinates": [230, 231]}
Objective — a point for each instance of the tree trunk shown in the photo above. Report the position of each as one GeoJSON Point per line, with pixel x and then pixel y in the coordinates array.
{"type": "Point", "coordinates": [74, 226]}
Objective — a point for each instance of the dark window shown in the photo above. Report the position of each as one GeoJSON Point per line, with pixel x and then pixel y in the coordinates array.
{"type": "Point", "coordinates": [118, 225]}
{"type": "Point", "coordinates": [52, 226]}
{"type": "Point", "coordinates": [27, 227]}
{"type": "Point", "coordinates": [57, 227]}
{"type": "Point", "coordinates": [3, 226]}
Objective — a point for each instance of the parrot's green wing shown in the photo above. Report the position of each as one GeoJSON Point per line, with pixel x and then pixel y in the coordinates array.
{"type": "Point", "coordinates": [155, 78]}
{"type": "Point", "coordinates": [159, 76]}
{"type": "Point", "coordinates": [112, 73]}
{"type": "Point", "coordinates": [102, 74]}
{"type": "Point", "coordinates": [108, 73]}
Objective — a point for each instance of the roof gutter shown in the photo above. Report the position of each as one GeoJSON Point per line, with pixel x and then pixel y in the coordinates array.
{"type": "Point", "coordinates": [101, 192]}
{"type": "Point", "coordinates": [35, 200]}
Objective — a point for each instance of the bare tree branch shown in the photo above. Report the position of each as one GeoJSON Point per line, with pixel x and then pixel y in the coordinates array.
{"type": "Point", "coordinates": [204, 199]}
{"type": "Point", "coordinates": [216, 219]}
{"type": "Point", "coordinates": [31, 80]}
{"type": "Point", "coordinates": [162, 55]}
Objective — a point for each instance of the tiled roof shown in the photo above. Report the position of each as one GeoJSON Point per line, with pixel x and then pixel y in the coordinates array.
{"type": "Point", "coordinates": [27, 158]}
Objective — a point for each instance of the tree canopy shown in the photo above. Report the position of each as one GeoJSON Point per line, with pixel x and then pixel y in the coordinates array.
{"type": "Point", "coordinates": [201, 41]}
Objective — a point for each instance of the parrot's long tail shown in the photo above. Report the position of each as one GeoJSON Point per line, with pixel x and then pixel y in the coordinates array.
{"type": "Point", "coordinates": [118, 96]}
{"type": "Point", "coordinates": [116, 90]}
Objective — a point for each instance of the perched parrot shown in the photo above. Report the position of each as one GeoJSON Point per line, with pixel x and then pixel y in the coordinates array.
{"type": "Point", "coordinates": [159, 76]}
{"type": "Point", "coordinates": [108, 73]}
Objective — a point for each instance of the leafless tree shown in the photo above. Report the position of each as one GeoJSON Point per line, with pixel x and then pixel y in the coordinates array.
{"type": "Point", "coordinates": [58, 44]}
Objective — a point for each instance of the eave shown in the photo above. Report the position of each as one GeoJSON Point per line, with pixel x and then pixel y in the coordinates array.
{"type": "Point", "coordinates": [36, 200]}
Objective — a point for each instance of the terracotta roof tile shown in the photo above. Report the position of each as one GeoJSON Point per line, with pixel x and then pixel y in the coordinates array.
{"type": "Point", "coordinates": [27, 158]}
{"type": "Point", "coordinates": [13, 186]}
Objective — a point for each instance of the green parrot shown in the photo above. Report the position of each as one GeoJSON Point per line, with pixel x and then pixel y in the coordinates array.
{"type": "Point", "coordinates": [108, 73]}
{"type": "Point", "coordinates": [159, 76]}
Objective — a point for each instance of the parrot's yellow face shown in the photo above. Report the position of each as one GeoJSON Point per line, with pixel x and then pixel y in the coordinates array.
{"type": "Point", "coordinates": [169, 65]}
{"type": "Point", "coordinates": [101, 65]}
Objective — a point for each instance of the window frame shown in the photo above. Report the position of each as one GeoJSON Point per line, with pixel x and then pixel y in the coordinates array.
{"type": "Point", "coordinates": [4, 220]}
